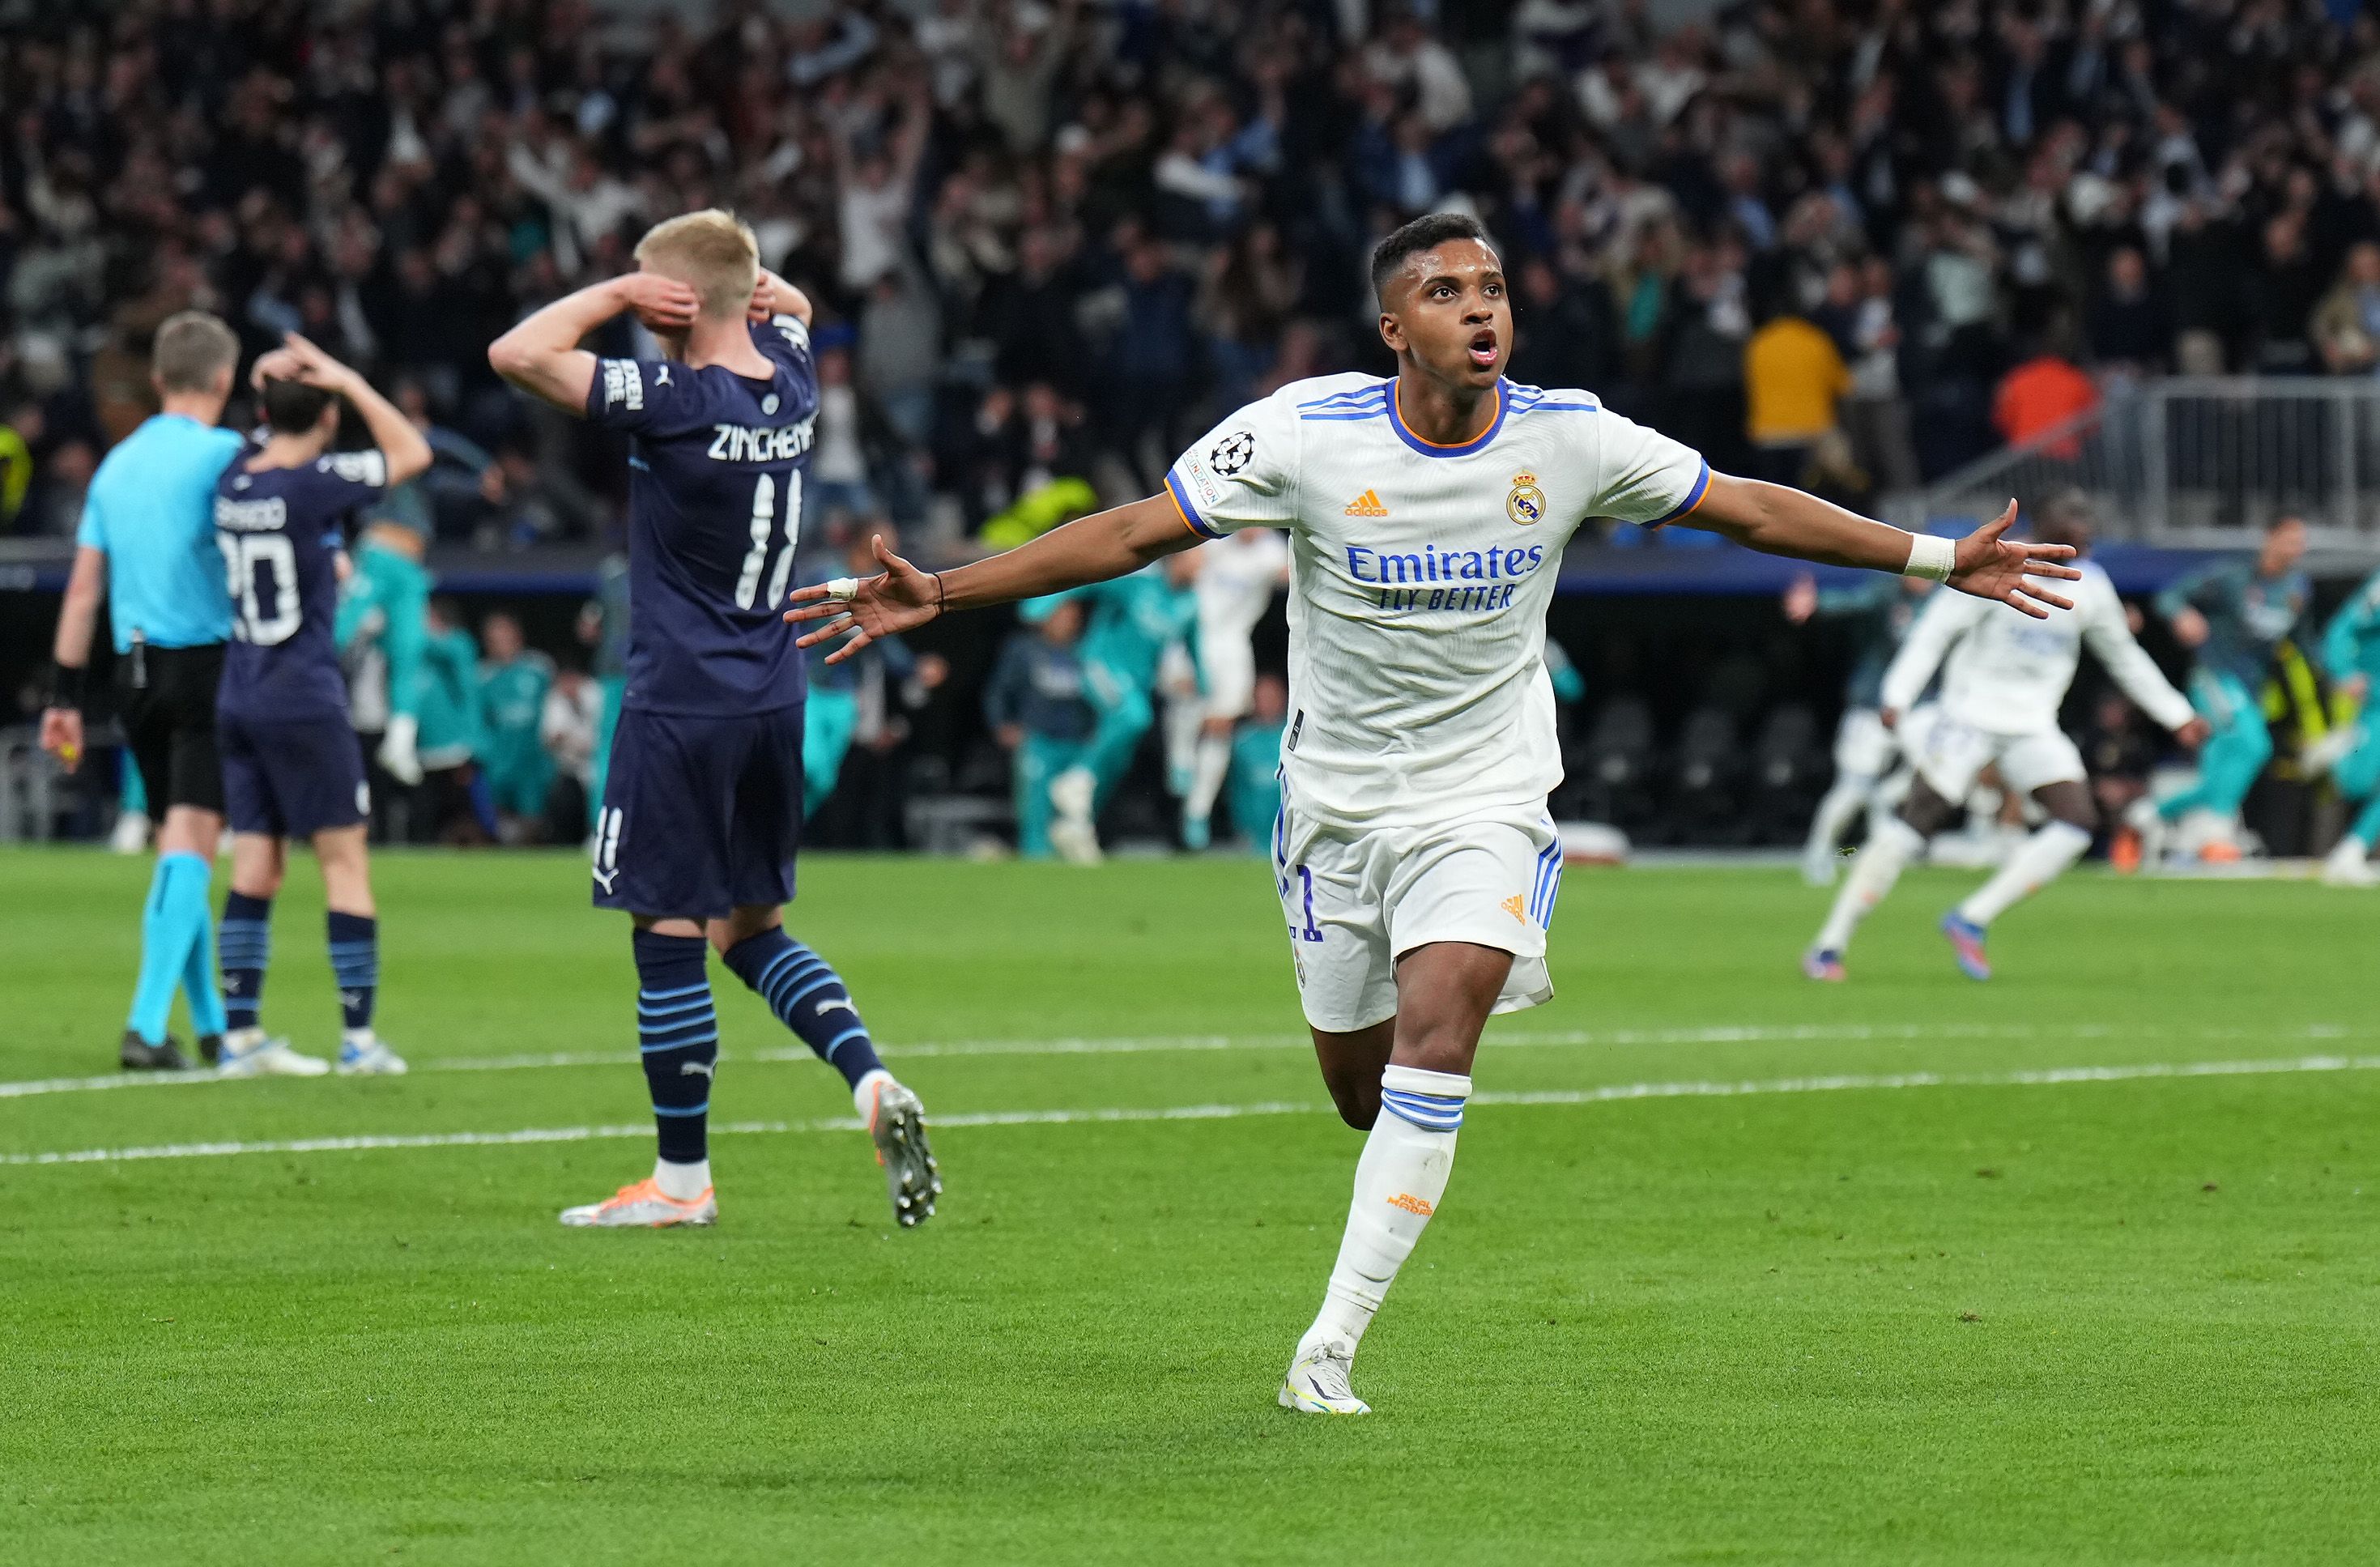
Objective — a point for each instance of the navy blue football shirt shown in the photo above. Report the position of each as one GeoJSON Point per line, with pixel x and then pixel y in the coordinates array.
{"type": "Point", "coordinates": [280, 529]}
{"type": "Point", "coordinates": [714, 510]}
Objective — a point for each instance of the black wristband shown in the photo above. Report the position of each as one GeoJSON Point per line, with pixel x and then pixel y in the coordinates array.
{"type": "Point", "coordinates": [66, 685]}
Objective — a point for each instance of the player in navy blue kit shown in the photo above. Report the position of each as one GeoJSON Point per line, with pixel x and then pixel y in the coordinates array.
{"type": "Point", "coordinates": [292, 767]}
{"type": "Point", "coordinates": [702, 806]}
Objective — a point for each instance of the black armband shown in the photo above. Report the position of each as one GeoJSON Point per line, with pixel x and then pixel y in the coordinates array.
{"type": "Point", "coordinates": [66, 685]}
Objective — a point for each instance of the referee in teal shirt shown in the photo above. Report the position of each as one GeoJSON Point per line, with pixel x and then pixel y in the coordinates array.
{"type": "Point", "coordinates": [147, 543]}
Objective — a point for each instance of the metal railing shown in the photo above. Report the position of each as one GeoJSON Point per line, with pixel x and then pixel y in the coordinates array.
{"type": "Point", "coordinates": [2197, 462]}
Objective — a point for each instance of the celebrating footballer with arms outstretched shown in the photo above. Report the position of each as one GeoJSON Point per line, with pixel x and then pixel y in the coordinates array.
{"type": "Point", "coordinates": [1414, 859]}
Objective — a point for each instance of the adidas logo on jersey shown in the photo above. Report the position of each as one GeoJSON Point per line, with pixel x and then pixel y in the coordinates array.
{"type": "Point", "coordinates": [1514, 906]}
{"type": "Point", "coordinates": [1366, 504]}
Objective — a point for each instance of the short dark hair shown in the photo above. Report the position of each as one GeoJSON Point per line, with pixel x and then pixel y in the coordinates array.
{"type": "Point", "coordinates": [1425, 232]}
{"type": "Point", "coordinates": [292, 408]}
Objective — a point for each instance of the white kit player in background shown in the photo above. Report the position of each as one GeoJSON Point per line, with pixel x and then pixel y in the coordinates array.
{"type": "Point", "coordinates": [2006, 676]}
{"type": "Point", "coordinates": [1234, 588]}
{"type": "Point", "coordinates": [1414, 860]}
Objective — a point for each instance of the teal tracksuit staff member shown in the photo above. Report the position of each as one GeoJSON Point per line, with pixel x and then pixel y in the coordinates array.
{"type": "Point", "coordinates": [2350, 652]}
{"type": "Point", "coordinates": [148, 544]}
{"type": "Point", "coordinates": [2233, 616]}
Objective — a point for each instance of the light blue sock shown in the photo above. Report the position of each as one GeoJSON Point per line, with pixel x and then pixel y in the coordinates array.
{"type": "Point", "coordinates": [169, 923]}
{"type": "Point", "coordinates": [2367, 826]}
{"type": "Point", "coordinates": [198, 969]}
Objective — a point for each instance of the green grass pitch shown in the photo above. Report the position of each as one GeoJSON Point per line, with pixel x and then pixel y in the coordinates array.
{"type": "Point", "coordinates": [1733, 1267]}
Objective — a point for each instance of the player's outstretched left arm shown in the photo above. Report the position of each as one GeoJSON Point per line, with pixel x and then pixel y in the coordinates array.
{"type": "Point", "coordinates": [1780, 521]}
{"type": "Point", "coordinates": [1091, 548]}
{"type": "Point", "coordinates": [541, 355]}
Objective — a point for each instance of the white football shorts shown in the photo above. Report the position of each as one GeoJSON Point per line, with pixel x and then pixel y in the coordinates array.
{"type": "Point", "coordinates": [1949, 755]}
{"type": "Point", "coordinates": [1864, 746]}
{"type": "Point", "coordinates": [1356, 901]}
{"type": "Point", "coordinates": [1228, 664]}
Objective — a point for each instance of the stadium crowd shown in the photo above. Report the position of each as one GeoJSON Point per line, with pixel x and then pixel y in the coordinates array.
{"type": "Point", "coordinates": [1050, 238]}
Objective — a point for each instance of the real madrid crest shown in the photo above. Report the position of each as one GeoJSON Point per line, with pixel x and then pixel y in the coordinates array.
{"type": "Point", "coordinates": [1526, 503]}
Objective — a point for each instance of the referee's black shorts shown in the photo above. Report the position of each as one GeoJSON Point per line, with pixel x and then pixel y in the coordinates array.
{"type": "Point", "coordinates": [166, 699]}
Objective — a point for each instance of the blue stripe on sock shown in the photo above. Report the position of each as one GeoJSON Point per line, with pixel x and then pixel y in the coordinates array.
{"type": "Point", "coordinates": [841, 1040]}
{"type": "Point", "coordinates": [1431, 1112]}
{"type": "Point", "coordinates": [695, 1004]}
{"type": "Point", "coordinates": [789, 1005]}
{"type": "Point", "coordinates": [643, 995]}
{"type": "Point", "coordinates": [710, 1039]}
{"type": "Point", "coordinates": [673, 1109]}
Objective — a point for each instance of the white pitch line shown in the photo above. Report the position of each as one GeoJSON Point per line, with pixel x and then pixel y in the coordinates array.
{"type": "Point", "coordinates": [1746, 1034]}
{"type": "Point", "coordinates": [1606, 1094]}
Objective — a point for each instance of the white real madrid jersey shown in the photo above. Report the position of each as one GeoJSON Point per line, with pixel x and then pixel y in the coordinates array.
{"type": "Point", "coordinates": [2006, 672]}
{"type": "Point", "coordinates": [1419, 579]}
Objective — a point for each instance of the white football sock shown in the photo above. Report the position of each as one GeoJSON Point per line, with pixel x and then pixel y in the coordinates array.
{"type": "Point", "coordinates": [2038, 861]}
{"type": "Point", "coordinates": [1211, 766]}
{"type": "Point", "coordinates": [863, 1093]}
{"type": "Point", "coordinates": [682, 1183]}
{"type": "Point", "coordinates": [1399, 1181]}
{"type": "Point", "coordinates": [1889, 848]}
{"type": "Point", "coordinates": [1835, 812]}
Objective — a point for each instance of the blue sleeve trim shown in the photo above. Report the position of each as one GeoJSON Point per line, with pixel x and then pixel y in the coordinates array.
{"type": "Point", "coordinates": [1694, 498]}
{"type": "Point", "coordinates": [1189, 513]}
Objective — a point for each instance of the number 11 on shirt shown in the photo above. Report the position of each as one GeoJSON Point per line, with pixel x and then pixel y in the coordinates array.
{"type": "Point", "coordinates": [764, 521]}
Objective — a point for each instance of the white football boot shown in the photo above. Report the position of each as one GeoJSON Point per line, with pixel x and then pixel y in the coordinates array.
{"type": "Point", "coordinates": [897, 1123]}
{"type": "Point", "coordinates": [1073, 834]}
{"type": "Point", "coordinates": [363, 1053]}
{"type": "Point", "coordinates": [248, 1054]}
{"type": "Point", "coordinates": [1317, 1382]}
{"type": "Point", "coordinates": [2349, 865]}
{"type": "Point", "coordinates": [644, 1206]}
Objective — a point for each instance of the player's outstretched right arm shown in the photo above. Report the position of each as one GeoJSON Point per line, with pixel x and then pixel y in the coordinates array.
{"type": "Point", "coordinates": [541, 355]}
{"type": "Point", "coordinates": [1092, 549]}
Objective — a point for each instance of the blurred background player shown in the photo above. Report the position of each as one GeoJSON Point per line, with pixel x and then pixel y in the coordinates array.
{"type": "Point", "coordinates": [1037, 708]}
{"type": "Point", "coordinates": [293, 767]}
{"type": "Point", "coordinates": [854, 700]}
{"type": "Point", "coordinates": [1876, 612]}
{"type": "Point", "coordinates": [2350, 753]}
{"type": "Point", "coordinates": [603, 625]}
{"type": "Point", "coordinates": [147, 543]}
{"type": "Point", "coordinates": [1255, 761]}
{"type": "Point", "coordinates": [514, 680]}
{"type": "Point", "coordinates": [1134, 620]}
{"type": "Point", "coordinates": [382, 628]}
{"type": "Point", "coordinates": [702, 813]}
{"type": "Point", "coordinates": [1236, 585]}
{"type": "Point", "coordinates": [2005, 676]}
{"type": "Point", "coordinates": [2232, 615]}
{"type": "Point", "coordinates": [455, 796]}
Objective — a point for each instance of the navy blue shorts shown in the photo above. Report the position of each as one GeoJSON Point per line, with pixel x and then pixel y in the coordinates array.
{"type": "Point", "coordinates": [291, 780]}
{"type": "Point", "coordinates": [700, 815]}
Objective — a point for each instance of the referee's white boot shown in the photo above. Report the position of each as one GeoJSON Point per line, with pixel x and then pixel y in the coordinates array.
{"type": "Point", "coordinates": [248, 1054]}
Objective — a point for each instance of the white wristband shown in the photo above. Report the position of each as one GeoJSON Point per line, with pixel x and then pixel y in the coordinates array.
{"type": "Point", "coordinates": [1930, 557]}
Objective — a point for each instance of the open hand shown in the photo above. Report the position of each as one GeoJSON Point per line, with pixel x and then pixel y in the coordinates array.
{"type": "Point", "coordinates": [901, 598]}
{"type": "Point", "coordinates": [664, 304]}
{"type": "Point", "coordinates": [1992, 567]}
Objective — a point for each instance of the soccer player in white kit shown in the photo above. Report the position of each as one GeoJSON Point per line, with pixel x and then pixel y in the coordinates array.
{"type": "Point", "coordinates": [1414, 859]}
{"type": "Point", "coordinates": [2006, 676]}
{"type": "Point", "coordinates": [1235, 587]}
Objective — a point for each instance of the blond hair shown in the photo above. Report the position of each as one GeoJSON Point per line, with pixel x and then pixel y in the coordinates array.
{"type": "Point", "coordinates": [193, 349]}
{"type": "Point", "coordinates": [712, 251]}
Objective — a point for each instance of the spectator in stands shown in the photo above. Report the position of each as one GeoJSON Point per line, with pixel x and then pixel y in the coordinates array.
{"type": "Point", "coordinates": [1793, 377]}
{"type": "Point", "coordinates": [2346, 323]}
{"type": "Point", "coordinates": [458, 807]}
{"type": "Point", "coordinates": [570, 728]}
{"type": "Point", "coordinates": [2045, 391]}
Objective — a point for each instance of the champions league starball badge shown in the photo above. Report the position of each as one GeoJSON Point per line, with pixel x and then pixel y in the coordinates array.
{"type": "Point", "coordinates": [1526, 503]}
{"type": "Point", "coordinates": [1233, 453]}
